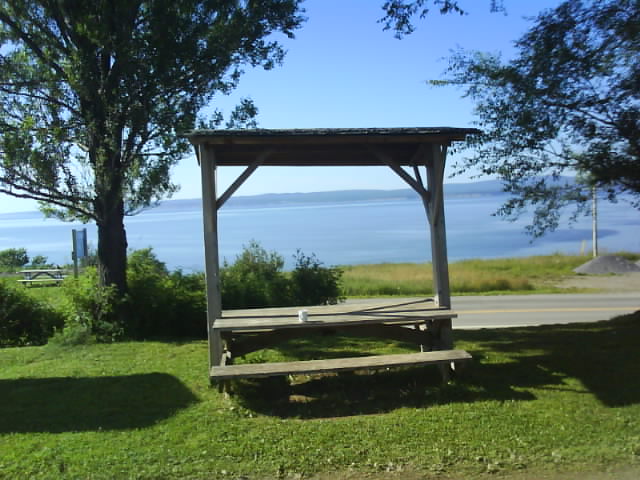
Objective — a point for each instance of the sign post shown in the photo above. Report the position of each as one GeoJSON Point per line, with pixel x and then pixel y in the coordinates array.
{"type": "Point", "coordinates": [80, 250]}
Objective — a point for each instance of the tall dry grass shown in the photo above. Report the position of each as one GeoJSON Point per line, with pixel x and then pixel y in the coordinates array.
{"type": "Point", "coordinates": [467, 276]}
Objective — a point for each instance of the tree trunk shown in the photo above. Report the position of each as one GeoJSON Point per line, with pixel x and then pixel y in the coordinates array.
{"type": "Point", "coordinates": [112, 244]}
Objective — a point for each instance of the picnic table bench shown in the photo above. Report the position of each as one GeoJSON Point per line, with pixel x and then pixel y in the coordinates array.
{"type": "Point", "coordinates": [419, 322]}
{"type": "Point", "coordinates": [42, 275]}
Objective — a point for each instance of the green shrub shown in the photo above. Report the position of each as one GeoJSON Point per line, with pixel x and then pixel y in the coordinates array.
{"type": "Point", "coordinates": [255, 280]}
{"type": "Point", "coordinates": [14, 257]}
{"type": "Point", "coordinates": [313, 284]}
{"type": "Point", "coordinates": [23, 319]}
{"type": "Point", "coordinates": [168, 304]}
{"type": "Point", "coordinates": [87, 306]}
{"type": "Point", "coordinates": [158, 304]}
{"type": "Point", "coordinates": [163, 304]}
{"type": "Point", "coordinates": [39, 261]}
{"type": "Point", "coordinates": [73, 334]}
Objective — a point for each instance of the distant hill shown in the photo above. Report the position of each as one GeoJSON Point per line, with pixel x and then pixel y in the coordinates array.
{"type": "Point", "coordinates": [489, 187]}
{"type": "Point", "coordinates": [451, 190]}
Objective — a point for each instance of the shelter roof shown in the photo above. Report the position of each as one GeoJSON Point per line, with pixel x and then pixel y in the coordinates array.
{"type": "Point", "coordinates": [324, 146]}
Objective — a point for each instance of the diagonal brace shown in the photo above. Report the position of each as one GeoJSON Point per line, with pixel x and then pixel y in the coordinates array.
{"type": "Point", "coordinates": [242, 178]}
{"type": "Point", "coordinates": [416, 184]}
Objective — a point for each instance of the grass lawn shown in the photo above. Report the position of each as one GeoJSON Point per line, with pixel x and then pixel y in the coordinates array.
{"type": "Point", "coordinates": [537, 400]}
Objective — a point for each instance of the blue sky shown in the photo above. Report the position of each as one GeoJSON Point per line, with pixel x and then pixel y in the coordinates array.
{"type": "Point", "coordinates": [342, 70]}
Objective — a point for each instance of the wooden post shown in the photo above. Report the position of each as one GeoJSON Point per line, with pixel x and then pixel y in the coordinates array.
{"type": "Point", "coordinates": [442, 329]}
{"type": "Point", "coordinates": [74, 253]}
{"type": "Point", "coordinates": [435, 176]}
{"type": "Point", "coordinates": [211, 258]}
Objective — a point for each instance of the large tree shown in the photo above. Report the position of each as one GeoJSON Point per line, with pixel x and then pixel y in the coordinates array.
{"type": "Point", "coordinates": [567, 103]}
{"type": "Point", "coordinates": [94, 95]}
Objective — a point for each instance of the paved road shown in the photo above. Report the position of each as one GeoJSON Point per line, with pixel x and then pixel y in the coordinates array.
{"type": "Point", "coordinates": [519, 310]}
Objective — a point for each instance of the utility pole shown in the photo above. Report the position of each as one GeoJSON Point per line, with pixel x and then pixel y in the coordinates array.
{"type": "Point", "coordinates": [594, 220]}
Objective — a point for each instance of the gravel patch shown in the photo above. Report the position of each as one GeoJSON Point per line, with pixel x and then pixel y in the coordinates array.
{"type": "Point", "coordinates": [624, 282]}
{"type": "Point", "coordinates": [607, 264]}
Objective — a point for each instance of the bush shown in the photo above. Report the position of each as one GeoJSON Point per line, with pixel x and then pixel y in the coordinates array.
{"type": "Point", "coordinates": [71, 335]}
{"type": "Point", "coordinates": [160, 303]}
{"type": "Point", "coordinates": [14, 257]}
{"type": "Point", "coordinates": [39, 261]}
{"type": "Point", "coordinates": [254, 280]}
{"type": "Point", "coordinates": [89, 307]}
{"type": "Point", "coordinates": [23, 319]}
{"type": "Point", "coordinates": [313, 284]}
{"type": "Point", "coordinates": [163, 304]}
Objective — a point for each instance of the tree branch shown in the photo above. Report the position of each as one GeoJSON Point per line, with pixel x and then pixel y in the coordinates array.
{"type": "Point", "coordinates": [64, 201]}
{"type": "Point", "coordinates": [41, 96]}
{"type": "Point", "coordinates": [32, 44]}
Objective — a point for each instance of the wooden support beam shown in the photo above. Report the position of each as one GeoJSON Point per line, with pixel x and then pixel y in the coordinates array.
{"type": "Point", "coordinates": [440, 331]}
{"type": "Point", "coordinates": [435, 175]}
{"type": "Point", "coordinates": [211, 258]}
{"type": "Point", "coordinates": [416, 173]}
{"type": "Point", "coordinates": [395, 166]}
{"type": "Point", "coordinates": [407, 178]}
{"type": "Point", "coordinates": [242, 178]}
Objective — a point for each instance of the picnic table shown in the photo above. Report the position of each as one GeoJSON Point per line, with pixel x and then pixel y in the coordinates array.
{"type": "Point", "coordinates": [420, 322]}
{"type": "Point", "coordinates": [42, 276]}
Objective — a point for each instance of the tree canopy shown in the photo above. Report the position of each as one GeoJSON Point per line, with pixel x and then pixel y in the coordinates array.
{"type": "Point", "coordinates": [94, 94]}
{"type": "Point", "coordinates": [399, 15]}
{"type": "Point", "coordinates": [567, 103]}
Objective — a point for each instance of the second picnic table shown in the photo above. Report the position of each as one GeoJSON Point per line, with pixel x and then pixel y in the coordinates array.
{"type": "Point", "coordinates": [42, 275]}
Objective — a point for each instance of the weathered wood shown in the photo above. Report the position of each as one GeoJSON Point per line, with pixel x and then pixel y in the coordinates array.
{"type": "Point", "coordinates": [435, 211]}
{"type": "Point", "coordinates": [242, 178]}
{"type": "Point", "coordinates": [317, 147]}
{"type": "Point", "coordinates": [211, 261]}
{"type": "Point", "coordinates": [255, 370]}
{"type": "Point", "coordinates": [441, 333]}
{"type": "Point", "coordinates": [398, 148]}
{"type": "Point", "coordinates": [392, 312]}
{"type": "Point", "coordinates": [329, 136]}
{"type": "Point", "coordinates": [397, 168]}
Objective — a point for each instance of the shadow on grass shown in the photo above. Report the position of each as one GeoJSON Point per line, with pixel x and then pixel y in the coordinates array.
{"type": "Point", "coordinates": [508, 364]}
{"type": "Point", "coordinates": [603, 356]}
{"type": "Point", "coordinates": [348, 394]}
{"type": "Point", "coordinates": [358, 393]}
{"type": "Point", "coordinates": [55, 405]}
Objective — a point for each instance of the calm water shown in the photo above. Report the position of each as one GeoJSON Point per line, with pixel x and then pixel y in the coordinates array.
{"type": "Point", "coordinates": [346, 233]}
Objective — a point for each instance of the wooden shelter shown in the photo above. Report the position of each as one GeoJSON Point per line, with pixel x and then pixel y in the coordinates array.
{"type": "Point", "coordinates": [405, 151]}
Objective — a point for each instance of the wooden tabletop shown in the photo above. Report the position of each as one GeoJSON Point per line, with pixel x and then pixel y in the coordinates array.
{"type": "Point", "coordinates": [386, 312]}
